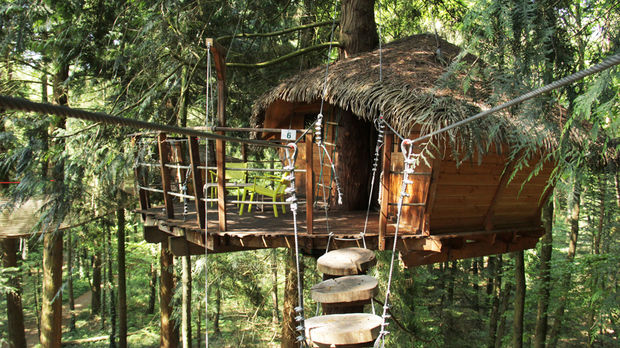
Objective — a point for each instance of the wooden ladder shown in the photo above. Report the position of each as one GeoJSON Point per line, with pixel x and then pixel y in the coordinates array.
{"type": "Point", "coordinates": [343, 294]}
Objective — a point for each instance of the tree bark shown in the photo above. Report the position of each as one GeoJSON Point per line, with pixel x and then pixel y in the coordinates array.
{"type": "Point", "coordinates": [540, 336]}
{"type": "Point", "coordinates": [503, 307]}
{"type": "Point", "coordinates": [95, 302]}
{"type": "Point", "coordinates": [565, 280]}
{"type": "Point", "coordinates": [517, 324]}
{"type": "Point", "coordinates": [186, 315]}
{"type": "Point", "coordinates": [289, 333]}
{"type": "Point", "coordinates": [358, 30]}
{"type": "Point", "coordinates": [475, 284]}
{"type": "Point", "coordinates": [51, 311]}
{"type": "Point", "coordinates": [168, 336]}
{"type": "Point", "coordinates": [70, 281]}
{"type": "Point", "coordinates": [496, 272]}
{"type": "Point", "coordinates": [275, 314]}
{"type": "Point", "coordinates": [218, 311]}
{"type": "Point", "coordinates": [14, 310]}
{"type": "Point", "coordinates": [122, 281]}
{"type": "Point", "coordinates": [153, 289]}
{"type": "Point", "coordinates": [111, 289]}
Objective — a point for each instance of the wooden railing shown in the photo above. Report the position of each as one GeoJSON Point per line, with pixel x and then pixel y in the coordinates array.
{"type": "Point", "coordinates": [183, 155]}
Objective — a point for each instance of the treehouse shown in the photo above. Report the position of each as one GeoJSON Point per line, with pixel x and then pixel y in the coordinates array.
{"type": "Point", "coordinates": [469, 196]}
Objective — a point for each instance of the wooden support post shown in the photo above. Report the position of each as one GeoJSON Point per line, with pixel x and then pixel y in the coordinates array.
{"type": "Point", "coordinates": [169, 336]}
{"type": "Point", "coordinates": [194, 158]}
{"type": "Point", "coordinates": [432, 194]}
{"type": "Point", "coordinates": [219, 58]}
{"type": "Point", "coordinates": [164, 153]}
{"type": "Point", "coordinates": [385, 189]}
{"type": "Point", "coordinates": [143, 195]}
{"type": "Point", "coordinates": [309, 183]}
{"type": "Point", "coordinates": [14, 310]}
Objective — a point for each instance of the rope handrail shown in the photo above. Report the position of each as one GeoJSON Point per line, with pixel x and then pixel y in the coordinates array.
{"type": "Point", "coordinates": [20, 104]}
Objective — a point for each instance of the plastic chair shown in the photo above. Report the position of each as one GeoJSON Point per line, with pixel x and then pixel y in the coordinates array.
{"type": "Point", "coordinates": [276, 194]}
{"type": "Point", "coordinates": [235, 179]}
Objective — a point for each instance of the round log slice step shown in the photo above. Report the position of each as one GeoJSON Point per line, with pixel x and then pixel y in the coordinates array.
{"type": "Point", "coordinates": [347, 261]}
{"type": "Point", "coordinates": [345, 289]}
{"type": "Point", "coordinates": [343, 329]}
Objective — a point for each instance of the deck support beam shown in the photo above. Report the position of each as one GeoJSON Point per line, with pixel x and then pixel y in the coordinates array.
{"type": "Point", "coordinates": [164, 153]}
{"type": "Point", "coordinates": [194, 158]}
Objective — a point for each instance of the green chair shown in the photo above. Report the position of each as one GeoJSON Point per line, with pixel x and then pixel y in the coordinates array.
{"type": "Point", "coordinates": [235, 179]}
{"type": "Point", "coordinates": [276, 194]}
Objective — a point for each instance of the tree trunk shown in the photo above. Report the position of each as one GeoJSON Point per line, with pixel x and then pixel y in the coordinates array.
{"type": "Point", "coordinates": [275, 313]}
{"type": "Point", "coordinates": [358, 30]}
{"type": "Point", "coordinates": [496, 282]}
{"type": "Point", "coordinates": [14, 311]}
{"type": "Point", "coordinates": [540, 336]}
{"type": "Point", "coordinates": [111, 289]}
{"type": "Point", "coordinates": [517, 324]}
{"type": "Point", "coordinates": [503, 307]}
{"type": "Point", "coordinates": [186, 315]}
{"type": "Point", "coordinates": [122, 281]}
{"type": "Point", "coordinates": [168, 336]}
{"type": "Point", "coordinates": [104, 281]}
{"type": "Point", "coordinates": [475, 283]}
{"type": "Point", "coordinates": [70, 281]}
{"type": "Point", "coordinates": [95, 302]}
{"type": "Point", "coordinates": [218, 311]}
{"type": "Point", "coordinates": [289, 332]}
{"type": "Point", "coordinates": [199, 328]}
{"type": "Point", "coordinates": [565, 280]}
{"type": "Point", "coordinates": [153, 289]}
{"type": "Point", "coordinates": [51, 311]}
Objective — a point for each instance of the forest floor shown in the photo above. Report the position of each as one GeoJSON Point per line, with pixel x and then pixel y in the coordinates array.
{"type": "Point", "coordinates": [82, 303]}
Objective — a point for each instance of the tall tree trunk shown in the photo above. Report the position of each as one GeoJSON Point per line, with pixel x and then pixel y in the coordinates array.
{"type": "Point", "coordinates": [503, 307]}
{"type": "Point", "coordinates": [596, 250]}
{"type": "Point", "coordinates": [186, 315]}
{"type": "Point", "coordinates": [14, 311]}
{"type": "Point", "coordinates": [496, 272]}
{"type": "Point", "coordinates": [218, 311]}
{"type": "Point", "coordinates": [95, 302]}
{"type": "Point", "coordinates": [289, 332]}
{"type": "Point", "coordinates": [111, 289]}
{"type": "Point", "coordinates": [358, 30]}
{"type": "Point", "coordinates": [70, 280]}
{"type": "Point", "coordinates": [475, 283]}
{"type": "Point", "coordinates": [517, 324]}
{"type": "Point", "coordinates": [199, 328]}
{"type": "Point", "coordinates": [153, 289]}
{"type": "Point", "coordinates": [122, 281]}
{"type": "Point", "coordinates": [104, 281]}
{"type": "Point", "coordinates": [168, 336]}
{"type": "Point", "coordinates": [540, 336]}
{"type": "Point", "coordinates": [275, 313]}
{"type": "Point", "coordinates": [565, 280]}
{"type": "Point", "coordinates": [51, 311]}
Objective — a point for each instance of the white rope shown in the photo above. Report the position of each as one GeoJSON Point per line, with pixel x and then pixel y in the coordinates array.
{"type": "Point", "coordinates": [411, 161]}
{"type": "Point", "coordinates": [299, 310]}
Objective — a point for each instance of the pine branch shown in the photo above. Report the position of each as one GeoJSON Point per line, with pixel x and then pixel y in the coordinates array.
{"type": "Point", "coordinates": [284, 57]}
{"type": "Point", "coordinates": [276, 33]}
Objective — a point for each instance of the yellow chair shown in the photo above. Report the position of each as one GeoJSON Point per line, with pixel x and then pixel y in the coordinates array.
{"type": "Point", "coordinates": [235, 179]}
{"type": "Point", "coordinates": [276, 194]}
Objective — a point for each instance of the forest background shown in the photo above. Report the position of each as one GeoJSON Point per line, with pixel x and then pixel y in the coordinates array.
{"type": "Point", "coordinates": [147, 60]}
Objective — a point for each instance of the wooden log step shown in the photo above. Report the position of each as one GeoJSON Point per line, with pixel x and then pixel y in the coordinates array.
{"type": "Point", "coordinates": [347, 261]}
{"type": "Point", "coordinates": [343, 329]}
{"type": "Point", "coordinates": [347, 289]}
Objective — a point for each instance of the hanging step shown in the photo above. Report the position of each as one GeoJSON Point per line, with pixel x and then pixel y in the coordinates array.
{"type": "Point", "coordinates": [357, 329]}
{"type": "Point", "coordinates": [346, 294]}
{"type": "Point", "coordinates": [354, 288]}
{"type": "Point", "coordinates": [346, 261]}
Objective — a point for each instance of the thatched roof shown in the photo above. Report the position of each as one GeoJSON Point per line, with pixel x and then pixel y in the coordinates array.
{"type": "Point", "coordinates": [408, 93]}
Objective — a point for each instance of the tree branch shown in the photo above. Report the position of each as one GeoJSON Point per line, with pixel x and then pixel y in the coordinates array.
{"type": "Point", "coordinates": [284, 57]}
{"type": "Point", "coordinates": [279, 32]}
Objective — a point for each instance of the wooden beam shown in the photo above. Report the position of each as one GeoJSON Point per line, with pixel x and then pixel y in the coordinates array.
{"type": "Point", "coordinates": [385, 189]}
{"type": "Point", "coordinates": [164, 152]}
{"type": "Point", "coordinates": [309, 183]}
{"type": "Point", "coordinates": [152, 234]}
{"type": "Point", "coordinates": [432, 194]}
{"type": "Point", "coordinates": [177, 247]}
{"type": "Point", "coordinates": [194, 158]}
{"type": "Point", "coordinates": [219, 57]}
{"type": "Point", "coordinates": [469, 250]}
